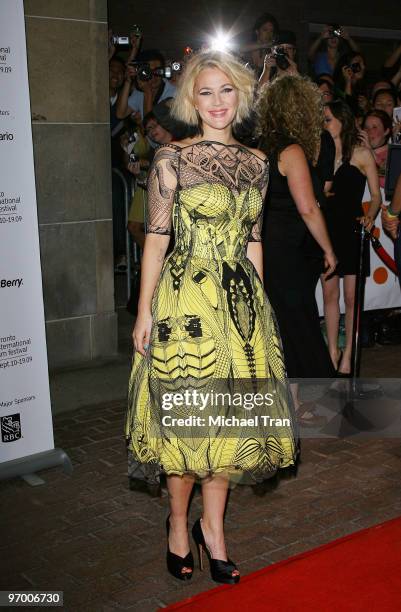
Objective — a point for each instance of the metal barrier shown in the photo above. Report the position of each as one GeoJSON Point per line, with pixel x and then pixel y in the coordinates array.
{"type": "Point", "coordinates": [127, 202]}
{"type": "Point", "coordinates": [136, 250]}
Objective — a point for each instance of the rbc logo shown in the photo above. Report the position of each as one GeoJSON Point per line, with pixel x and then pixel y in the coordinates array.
{"type": "Point", "coordinates": [10, 427]}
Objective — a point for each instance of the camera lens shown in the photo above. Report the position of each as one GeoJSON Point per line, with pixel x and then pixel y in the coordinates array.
{"type": "Point", "coordinates": [281, 58]}
{"type": "Point", "coordinates": [144, 72]}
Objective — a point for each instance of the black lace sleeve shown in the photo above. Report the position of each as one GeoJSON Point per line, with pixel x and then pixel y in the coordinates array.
{"type": "Point", "coordinates": [256, 230]}
{"type": "Point", "coordinates": [162, 185]}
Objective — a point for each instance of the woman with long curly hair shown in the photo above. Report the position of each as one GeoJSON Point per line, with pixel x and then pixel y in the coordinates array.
{"type": "Point", "coordinates": [296, 244]}
{"type": "Point", "coordinates": [353, 166]}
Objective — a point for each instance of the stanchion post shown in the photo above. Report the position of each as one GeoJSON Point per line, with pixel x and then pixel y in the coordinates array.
{"type": "Point", "coordinates": [118, 173]}
{"type": "Point", "coordinates": [358, 307]}
{"type": "Point", "coordinates": [356, 391]}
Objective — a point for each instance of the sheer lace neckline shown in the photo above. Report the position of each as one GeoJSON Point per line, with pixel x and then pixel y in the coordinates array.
{"type": "Point", "coordinates": [221, 144]}
{"type": "Point", "coordinates": [193, 177]}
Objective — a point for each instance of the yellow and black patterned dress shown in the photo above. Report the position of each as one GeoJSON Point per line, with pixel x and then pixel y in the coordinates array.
{"type": "Point", "coordinates": [213, 328]}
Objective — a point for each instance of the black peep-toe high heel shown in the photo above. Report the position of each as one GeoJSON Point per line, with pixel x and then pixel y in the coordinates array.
{"type": "Point", "coordinates": [220, 571]}
{"type": "Point", "coordinates": [175, 564]}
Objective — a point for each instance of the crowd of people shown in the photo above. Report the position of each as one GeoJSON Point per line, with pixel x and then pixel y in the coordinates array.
{"type": "Point", "coordinates": [140, 100]}
{"type": "Point", "coordinates": [253, 176]}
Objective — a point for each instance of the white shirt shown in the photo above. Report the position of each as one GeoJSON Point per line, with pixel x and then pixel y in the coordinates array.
{"type": "Point", "coordinates": [135, 101]}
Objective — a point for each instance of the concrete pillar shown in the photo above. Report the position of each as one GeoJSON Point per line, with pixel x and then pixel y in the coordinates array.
{"type": "Point", "coordinates": [68, 77]}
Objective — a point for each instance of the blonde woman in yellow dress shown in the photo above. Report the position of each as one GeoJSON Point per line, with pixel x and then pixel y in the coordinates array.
{"type": "Point", "coordinates": [204, 324]}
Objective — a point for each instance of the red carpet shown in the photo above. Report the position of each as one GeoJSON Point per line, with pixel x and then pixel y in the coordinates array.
{"type": "Point", "coordinates": [359, 572]}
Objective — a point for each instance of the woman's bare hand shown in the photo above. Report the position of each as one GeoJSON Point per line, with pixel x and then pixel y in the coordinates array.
{"type": "Point", "coordinates": [344, 33]}
{"type": "Point", "coordinates": [141, 333]}
{"type": "Point", "coordinates": [366, 221]}
{"type": "Point", "coordinates": [390, 224]}
{"type": "Point", "coordinates": [330, 264]}
{"type": "Point", "coordinates": [134, 168]}
{"type": "Point", "coordinates": [130, 72]}
{"type": "Point", "coordinates": [364, 138]}
{"type": "Point", "coordinates": [327, 32]}
{"type": "Point", "coordinates": [348, 74]}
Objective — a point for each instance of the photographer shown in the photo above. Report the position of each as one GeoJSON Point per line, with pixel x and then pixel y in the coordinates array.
{"type": "Point", "coordinates": [326, 90]}
{"type": "Point", "coordinates": [265, 32]}
{"type": "Point", "coordinates": [349, 79]}
{"type": "Point", "coordinates": [116, 79]}
{"type": "Point", "coordinates": [117, 126]}
{"type": "Point", "coordinates": [135, 39]}
{"type": "Point", "coordinates": [324, 52]}
{"type": "Point", "coordinates": [161, 129]}
{"type": "Point", "coordinates": [281, 58]}
{"type": "Point", "coordinates": [149, 86]}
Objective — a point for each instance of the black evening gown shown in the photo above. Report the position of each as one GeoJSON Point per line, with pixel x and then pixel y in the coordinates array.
{"type": "Point", "coordinates": [342, 210]}
{"type": "Point", "coordinates": [293, 262]}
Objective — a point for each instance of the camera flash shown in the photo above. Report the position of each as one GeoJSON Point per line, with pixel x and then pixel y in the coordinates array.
{"type": "Point", "coordinates": [220, 42]}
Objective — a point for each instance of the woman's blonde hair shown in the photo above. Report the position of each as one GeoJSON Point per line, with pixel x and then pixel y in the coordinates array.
{"type": "Point", "coordinates": [242, 78]}
{"type": "Point", "coordinates": [290, 109]}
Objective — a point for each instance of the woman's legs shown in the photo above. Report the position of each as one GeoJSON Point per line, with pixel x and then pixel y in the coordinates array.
{"type": "Point", "coordinates": [179, 490]}
{"type": "Point", "coordinates": [349, 300]}
{"type": "Point", "coordinates": [214, 492]}
{"type": "Point", "coordinates": [331, 296]}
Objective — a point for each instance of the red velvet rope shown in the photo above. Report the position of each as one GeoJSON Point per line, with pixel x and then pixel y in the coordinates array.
{"type": "Point", "coordinates": [382, 253]}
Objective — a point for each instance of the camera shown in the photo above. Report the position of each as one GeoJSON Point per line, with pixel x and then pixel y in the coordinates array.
{"type": "Point", "coordinates": [133, 137]}
{"type": "Point", "coordinates": [336, 30]}
{"type": "Point", "coordinates": [175, 67]}
{"type": "Point", "coordinates": [133, 158]}
{"type": "Point", "coordinates": [144, 72]}
{"type": "Point", "coordinates": [280, 56]}
{"type": "Point", "coordinates": [119, 40]}
{"type": "Point", "coordinates": [355, 67]}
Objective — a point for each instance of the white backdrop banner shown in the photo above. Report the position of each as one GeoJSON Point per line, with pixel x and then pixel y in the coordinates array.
{"type": "Point", "coordinates": [25, 411]}
{"type": "Point", "coordinates": [382, 289]}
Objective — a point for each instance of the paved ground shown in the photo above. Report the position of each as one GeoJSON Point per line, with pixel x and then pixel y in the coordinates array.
{"type": "Point", "coordinates": [104, 545]}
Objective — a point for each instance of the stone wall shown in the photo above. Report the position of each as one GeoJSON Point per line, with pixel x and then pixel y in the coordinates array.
{"type": "Point", "coordinates": [68, 78]}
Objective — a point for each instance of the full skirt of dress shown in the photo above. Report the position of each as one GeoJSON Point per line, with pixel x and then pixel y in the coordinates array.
{"type": "Point", "coordinates": [217, 334]}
